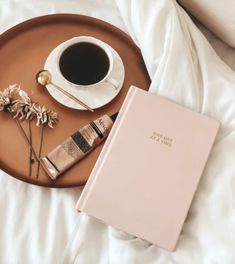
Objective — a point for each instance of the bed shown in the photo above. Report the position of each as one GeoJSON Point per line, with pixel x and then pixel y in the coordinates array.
{"type": "Point", "coordinates": [187, 64]}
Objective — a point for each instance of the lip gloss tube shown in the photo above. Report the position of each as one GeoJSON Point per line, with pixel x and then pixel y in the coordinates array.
{"type": "Point", "coordinates": [77, 146]}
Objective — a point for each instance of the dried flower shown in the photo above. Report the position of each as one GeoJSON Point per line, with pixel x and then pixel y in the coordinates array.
{"type": "Point", "coordinates": [17, 102]}
{"type": "Point", "coordinates": [45, 116]}
{"type": "Point", "coordinates": [23, 107]}
{"type": "Point", "coordinates": [6, 97]}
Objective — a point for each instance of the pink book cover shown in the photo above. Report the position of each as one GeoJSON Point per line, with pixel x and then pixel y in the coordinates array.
{"type": "Point", "coordinates": [147, 173]}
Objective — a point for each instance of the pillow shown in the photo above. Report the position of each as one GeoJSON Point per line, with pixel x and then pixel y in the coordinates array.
{"type": "Point", "coordinates": [216, 15]}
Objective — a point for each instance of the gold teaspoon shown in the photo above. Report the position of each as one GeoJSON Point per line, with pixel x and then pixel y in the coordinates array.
{"type": "Point", "coordinates": [44, 77]}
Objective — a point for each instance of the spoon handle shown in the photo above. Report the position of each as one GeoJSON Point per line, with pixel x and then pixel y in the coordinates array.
{"type": "Point", "coordinates": [72, 97]}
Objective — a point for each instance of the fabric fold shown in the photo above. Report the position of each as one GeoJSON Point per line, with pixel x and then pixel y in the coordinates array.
{"type": "Point", "coordinates": [184, 68]}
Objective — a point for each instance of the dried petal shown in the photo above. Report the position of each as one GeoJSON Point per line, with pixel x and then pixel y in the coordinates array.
{"type": "Point", "coordinates": [52, 119]}
{"type": "Point", "coordinates": [24, 97]}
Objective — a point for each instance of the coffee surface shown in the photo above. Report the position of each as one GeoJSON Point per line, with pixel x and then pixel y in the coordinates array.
{"type": "Point", "coordinates": [84, 63]}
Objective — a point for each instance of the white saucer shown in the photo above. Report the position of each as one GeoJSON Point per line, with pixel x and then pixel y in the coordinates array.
{"type": "Point", "coordinates": [94, 96]}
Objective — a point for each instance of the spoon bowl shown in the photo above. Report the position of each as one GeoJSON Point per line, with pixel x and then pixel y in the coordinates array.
{"type": "Point", "coordinates": [43, 77]}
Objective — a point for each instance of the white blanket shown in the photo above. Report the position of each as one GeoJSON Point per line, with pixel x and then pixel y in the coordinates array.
{"type": "Point", "coordinates": [37, 222]}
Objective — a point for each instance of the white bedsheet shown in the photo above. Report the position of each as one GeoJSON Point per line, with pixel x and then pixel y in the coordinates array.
{"type": "Point", "coordinates": [37, 223]}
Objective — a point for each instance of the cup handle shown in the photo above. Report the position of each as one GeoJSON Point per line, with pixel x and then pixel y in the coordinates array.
{"type": "Point", "coordinates": [113, 82]}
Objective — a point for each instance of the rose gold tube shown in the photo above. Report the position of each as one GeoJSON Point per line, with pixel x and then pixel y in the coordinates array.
{"type": "Point", "coordinates": [77, 146]}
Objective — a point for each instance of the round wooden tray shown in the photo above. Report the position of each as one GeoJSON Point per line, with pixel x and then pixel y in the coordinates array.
{"type": "Point", "coordinates": [23, 51]}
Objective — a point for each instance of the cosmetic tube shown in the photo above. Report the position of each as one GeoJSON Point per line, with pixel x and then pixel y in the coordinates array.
{"type": "Point", "coordinates": [77, 146]}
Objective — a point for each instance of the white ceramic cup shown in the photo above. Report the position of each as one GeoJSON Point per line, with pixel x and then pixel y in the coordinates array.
{"type": "Point", "coordinates": [87, 39]}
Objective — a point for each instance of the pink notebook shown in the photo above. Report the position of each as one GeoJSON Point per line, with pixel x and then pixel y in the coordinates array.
{"type": "Point", "coordinates": [147, 173]}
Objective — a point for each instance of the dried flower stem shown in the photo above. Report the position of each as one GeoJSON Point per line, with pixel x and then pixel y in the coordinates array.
{"type": "Point", "coordinates": [40, 150]}
{"type": "Point", "coordinates": [30, 149]}
{"type": "Point", "coordinates": [26, 139]}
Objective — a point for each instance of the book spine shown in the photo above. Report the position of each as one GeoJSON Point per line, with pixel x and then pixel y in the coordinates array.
{"type": "Point", "coordinates": [81, 204]}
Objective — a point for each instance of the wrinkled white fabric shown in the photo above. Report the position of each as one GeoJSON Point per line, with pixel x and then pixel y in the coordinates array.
{"type": "Point", "coordinates": [184, 68]}
{"type": "Point", "coordinates": [40, 225]}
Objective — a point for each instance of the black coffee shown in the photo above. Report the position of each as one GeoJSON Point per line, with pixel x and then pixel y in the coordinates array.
{"type": "Point", "coordinates": [84, 63]}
